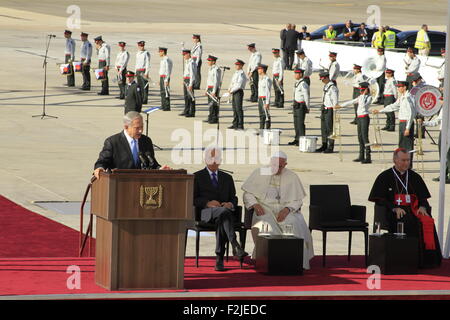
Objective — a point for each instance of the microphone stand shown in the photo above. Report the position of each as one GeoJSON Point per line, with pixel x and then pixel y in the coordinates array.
{"type": "Point", "coordinates": [44, 65]}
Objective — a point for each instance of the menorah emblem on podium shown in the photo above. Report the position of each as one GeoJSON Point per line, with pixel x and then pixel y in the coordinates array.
{"type": "Point", "coordinates": [151, 197]}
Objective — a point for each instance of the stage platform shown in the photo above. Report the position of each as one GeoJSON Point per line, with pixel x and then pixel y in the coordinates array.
{"type": "Point", "coordinates": [47, 278]}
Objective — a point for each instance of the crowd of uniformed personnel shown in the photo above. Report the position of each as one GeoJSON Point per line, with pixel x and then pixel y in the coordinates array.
{"type": "Point", "coordinates": [394, 95]}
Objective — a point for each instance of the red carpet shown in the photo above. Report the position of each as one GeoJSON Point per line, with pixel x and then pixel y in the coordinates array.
{"type": "Point", "coordinates": [26, 236]}
{"type": "Point", "coordinates": [38, 276]}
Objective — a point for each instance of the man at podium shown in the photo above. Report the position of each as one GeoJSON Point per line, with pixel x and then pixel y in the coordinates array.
{"type": "Point", "coordinates": [215, 194]}
{"type": "Point", "coordinates": [128, 149]}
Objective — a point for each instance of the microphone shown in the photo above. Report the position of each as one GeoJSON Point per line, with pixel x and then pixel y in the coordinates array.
{"type": "Point", "coordinates": [144, 161]}
{"type": "Point", "coordinates": [151, 162]}
{"type": "Point", "coordinates": [226, 68]}
{"type": "Point", "coordinates": [52, 36]}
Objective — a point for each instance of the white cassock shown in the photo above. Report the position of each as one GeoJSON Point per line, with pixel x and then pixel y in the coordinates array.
{"type": "Point", "coordinates": [273, 193]}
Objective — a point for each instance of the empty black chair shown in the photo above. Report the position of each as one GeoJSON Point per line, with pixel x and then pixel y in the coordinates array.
{"type": "Point", "coordinates": [330, 210]}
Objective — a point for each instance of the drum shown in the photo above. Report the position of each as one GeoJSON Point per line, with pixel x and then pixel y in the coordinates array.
{"type": "Point", "coordinates": [307, 143]}
{"type": "Point", "coordinates": [271, 136]}
{"type": "Point", "coordinates": [78, 66]}
{"type": "Point", "coordinates": [100, 74]}
{"type": "Point", "coordinates": [65, 69]}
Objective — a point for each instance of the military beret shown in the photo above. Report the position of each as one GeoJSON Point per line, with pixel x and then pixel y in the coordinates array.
{"type": "Point", "coordinates": [68, 31]}
{"type": "Point", "coordinates": [141, 43]}
{"type": "Point", "coordinates": [332, 54]}
{"type": "Point", "coordinates": [130, 74]}
{"type": "Point", "coordinates": [324, 74]}
{"type": "Point", "coordinates": [99, 38]}
{"type": "Point", "coordinates": [251, 45]}
{"type": "Point", "coordinates": [84, 34]}
{"type": "Point", "coordinates": [240, 62]}
{"type": "Point", "coordinates": [401, 84]}
{"type": "Point", "coordinates": [122, 44]}
{"type": "Point", "coordinates": [211, 58]}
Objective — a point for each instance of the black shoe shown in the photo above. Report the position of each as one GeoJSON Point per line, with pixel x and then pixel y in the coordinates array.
{"type": "Point", "coordinates": [280, 107]}
{"type": "Point", "coordinates": [167, 109]}
{"type": "Point", "coordinates": [182, 114]}
{"type": "Point", "coordinates": [366, 160]}
{"type": "Point", "coordinates": [238, 252]}
{"type": "Point", "coordinates": [85, 88]}
{"type": "Point", "coordinates": [359, 159]}
{"type": "Point", "coordinates": [391, 129]}
{"type": "Point", "coordinates": [219, 264]}
{"type": "Point", "coordinates": [213, 122]}
{"type": "Point", "coordinates": [190, 115]}
{"type": "Point", "coordinates": [322, 148]}
{"type": "Point", "coordinates": [206, 121]}
{"type": "Point", "coordinates": [232, 127]}
{"type": "Point", "coordinates": [386, 128]}
{"type": "Point", "coordinates": [103, 93]}
{"type": "Point", "coordinates": [293, 143]}
{"type": "Point", "coordinates": [328, 151]}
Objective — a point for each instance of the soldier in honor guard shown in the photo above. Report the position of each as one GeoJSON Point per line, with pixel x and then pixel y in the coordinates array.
{"type": "Point", "coordinates": [300, 105]}
{"type": "Point", "coordinates": [412, 65]}
{"type": "Point", "coordinates": [380, 66]}
{"type": "Point", "coordinates": [304, 63]}
{"type": "Point", "coordinates": [189, 75]}
{"type": "Point", "coordinates": [406, 115]}
{"type": "Point", "coordinates": [236, 90]}
{"type": "Point", "coordinates": [358, 77]}
{"type": "Point", "coordinates": [142, 69]}
{"type": "Point", "coordinates": [86, 57]}
{"type": "Point", "coordinates": [252, 71]}
{"type": "Point", "coordinates": [196, 53]}
{"type": "Point", "coordinates": [334, 68]}
{"type": "Point", "coordinates": [278, 76]}
{"type": "Point", "coordinates": [213, 89]}
{"type": "Point", "coordinates": [364, 101]}
{"type": "Point", "coordinates": [104, 56]}
{"type": "Point", "coordinates": [390, 96]}
{"type": "Point", "coordinates": [264, 87]}
{"type": "Point", "coordinates": [165, 70]}
{"type": "Point", "coordinates": [330, 100]}
{"type": "Point", "coordinates": [133, 98]}
{"type": "Point", "coordinates": [121, 68]}
{"type": "Point", "coordinates": [69, 57]}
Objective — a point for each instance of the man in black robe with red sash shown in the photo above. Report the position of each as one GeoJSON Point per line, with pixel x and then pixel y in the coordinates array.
{"type": "Point", "coordinates": [404, 195]}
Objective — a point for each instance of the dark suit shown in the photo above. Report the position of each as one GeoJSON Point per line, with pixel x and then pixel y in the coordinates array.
{"type": "Point", "coordinates": [116, 153]}
{"type": "Point", "coordinates": [283, 46]}
{"type": "Point", "coordinates": [204, 191]}
{"type": "Point", "coordinates": [133, 98]}
{"type": "Point", "coordinates": [291, 45]}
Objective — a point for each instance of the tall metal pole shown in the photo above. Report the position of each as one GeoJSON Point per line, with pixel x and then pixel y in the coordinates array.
{"type": "Point", "coordinates": [445, 138]}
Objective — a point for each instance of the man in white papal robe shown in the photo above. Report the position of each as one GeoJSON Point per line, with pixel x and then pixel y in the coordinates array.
{"type": "Point", "coordinates": [276, 194]}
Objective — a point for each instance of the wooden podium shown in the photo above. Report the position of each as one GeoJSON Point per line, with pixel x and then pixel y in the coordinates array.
{"type": "Point", "coordinates": [141, 220]}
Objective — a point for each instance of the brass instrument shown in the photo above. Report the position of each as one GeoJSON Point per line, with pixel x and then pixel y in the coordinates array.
{"type": "Point", "coordinates": [189, 91]}
{"type": "Point", "coordinates": [377, 136]}
{"type": "Point", "coordinates": [336, 134]}
{"type": "Point", "coordinates": [212, 97]}
{"type": "Point", "coordinates": [279, 86]}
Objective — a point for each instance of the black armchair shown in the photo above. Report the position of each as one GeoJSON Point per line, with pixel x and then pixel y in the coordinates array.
{"type": "Point", "coordinates": [330, 210]}
{"type": "Point", "coordinates": [201, 226]}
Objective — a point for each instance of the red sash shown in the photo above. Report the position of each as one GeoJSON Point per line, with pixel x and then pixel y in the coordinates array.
{"type": "Point", "coordinates": [426, 221]}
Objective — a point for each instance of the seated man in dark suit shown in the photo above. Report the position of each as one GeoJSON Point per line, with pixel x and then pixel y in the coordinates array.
{"type": "Point", "coordinates": [128, 149]}
{"type": "Point", "coordinates": [215, 194]}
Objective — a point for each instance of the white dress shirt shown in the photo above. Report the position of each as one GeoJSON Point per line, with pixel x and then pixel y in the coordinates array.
{"type": "Point", "coordinates": [405, 107]}
{"type": "Point", "coordinates": [264, 86]}
{"type": "Point", "coordinates": [364, 101]}
{"type": "Point", "coordinates": [86, 51]}
{"type": "Point", "coordinates": [196, 52]}
{"type": "Point", "coordinates": [278, 68]}
{"type": "Point", "coordinates": [165, 68]}
{"type": "Point", "coordinates": [104, 53]}
{"type": "Point", "coordinates": [306, 64]}
{"type": "Point", "coordinates": [255, 59]}
{"type": "Point", "coordinates": [333, 70]}
{"type": "Point", "coordinates": [122, 60]}
{"type": "Point", "coordinates": [380, 62]}
{"type": "Point", "coordinates": [143, 61]}
{"type": "Point", "coordinates": [357, 79]}
{"type": "Point", "coordinates": [190, 69]}
{"type": "Point", "coordinates": [414, 64]}
{"type": "Point", "coordinates": [390, 88]}
{"type": "Point", "coordinates": [213, 80]}
{"type": "Point", "coordinates": [330, 95]}
{"type": "Point", "coordinates": [301, 92]}
{"type": "Point", "coordinates": [70, 48]}
{"type": "Point", "coordinates": [238, 81]}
